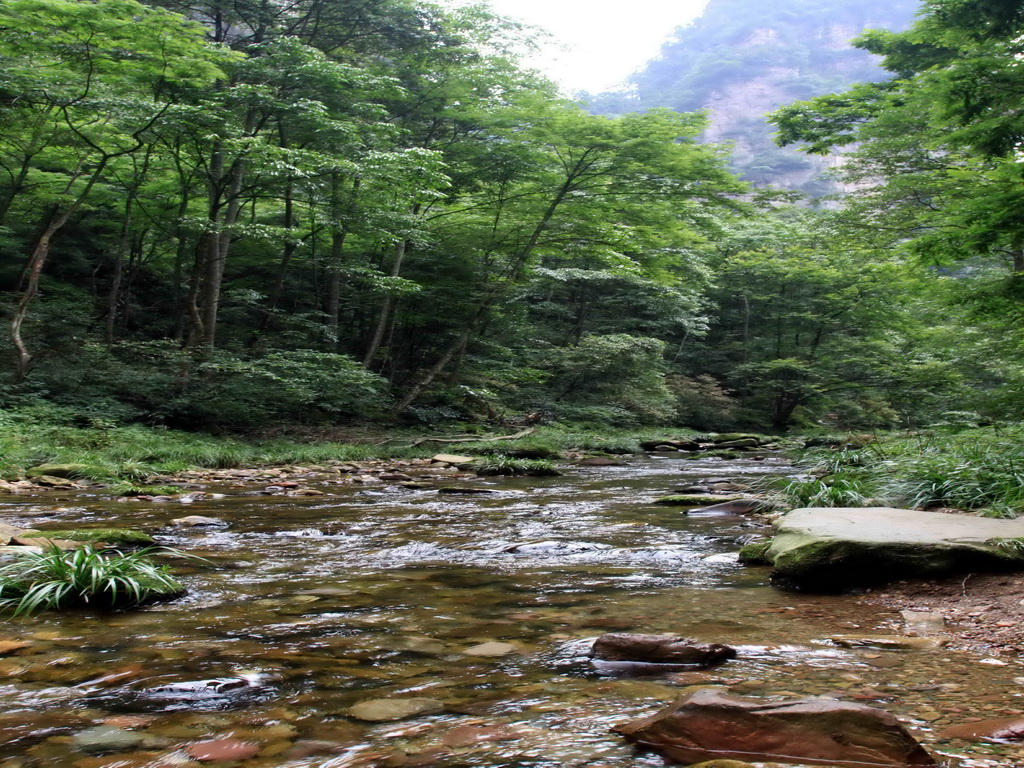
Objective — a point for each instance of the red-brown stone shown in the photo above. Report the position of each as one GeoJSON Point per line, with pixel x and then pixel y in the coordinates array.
{"type": "Point", "coordinates": [222, 749]}
{"type": "Point", "coordinates": [707, 725]}
{"type": "Point", "coordinates": [1005, 729]}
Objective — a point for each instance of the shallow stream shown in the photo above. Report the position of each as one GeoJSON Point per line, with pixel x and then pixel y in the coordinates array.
{"type": "Point", "coordinates": [484, 603]}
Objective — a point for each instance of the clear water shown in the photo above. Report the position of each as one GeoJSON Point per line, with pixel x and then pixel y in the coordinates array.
{"type": "Point", "coordinates": [377, 592]}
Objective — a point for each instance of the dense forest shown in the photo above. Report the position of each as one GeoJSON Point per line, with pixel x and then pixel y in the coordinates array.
{"type": "Point", "coordinates": [233, 215]}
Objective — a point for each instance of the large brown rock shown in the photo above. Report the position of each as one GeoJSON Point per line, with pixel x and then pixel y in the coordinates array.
{"type": "Point", "coordinates": [659, 649]}
{"type": "Point", "coordinates": [707, 725]}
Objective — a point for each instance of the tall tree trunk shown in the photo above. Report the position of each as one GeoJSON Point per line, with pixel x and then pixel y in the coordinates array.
{"type": "Point", "coordinates": [277, 290]}
{"type": "Point", "coordinates": [34, 269]}
{"type": "Point", "coordinates": [217, 245]}
{"type": "Point", "coordinates": [385, 307]}
{"type": "Point", "coordinates": [114, 294]}
{"type": "Point", "coordinates": [515, 272]}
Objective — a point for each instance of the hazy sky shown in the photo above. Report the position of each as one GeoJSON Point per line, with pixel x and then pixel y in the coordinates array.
{"type": "Point", "coordinates": [605, 41]}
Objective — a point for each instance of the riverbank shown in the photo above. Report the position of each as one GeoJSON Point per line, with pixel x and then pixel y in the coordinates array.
{"type": "Point", "coordinates": [983, 612]}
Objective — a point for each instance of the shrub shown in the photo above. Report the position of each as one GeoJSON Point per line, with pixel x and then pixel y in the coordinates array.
{"type": "Point", "coordinates": [83, 577]}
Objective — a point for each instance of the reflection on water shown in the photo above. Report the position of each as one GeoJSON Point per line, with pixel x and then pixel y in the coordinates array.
{"type": "Point", "coordinates": [482, 604]}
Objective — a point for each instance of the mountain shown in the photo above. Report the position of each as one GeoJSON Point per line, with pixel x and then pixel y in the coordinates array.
{"type": "Point", "coordinates": [744, 58]}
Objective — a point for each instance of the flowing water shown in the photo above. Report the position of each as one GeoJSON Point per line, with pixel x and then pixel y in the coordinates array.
{"type": "Point", "coordinates": [482, 604]}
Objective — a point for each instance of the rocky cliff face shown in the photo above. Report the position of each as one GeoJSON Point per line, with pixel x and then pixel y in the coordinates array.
{"type": "Point", "coordinates": [742, 60]}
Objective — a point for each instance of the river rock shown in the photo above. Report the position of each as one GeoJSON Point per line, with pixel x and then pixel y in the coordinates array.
{"type": "Point", "coordinates": [46, 542]}
{"type": "Point", "coordinates": [387, 710]}
{"type": "Point", "coordinates": [741, 445]}
{"type": "Point", "coordinates": [671, 445]}
{"type": "Point", "coordinates": [659, 649]}
{"type": "Point", "coordinates": [8, 532]}
{"type": "Point", "coordinates": [493, 648]}
{"type": "Point", "coordinates": [49, 481]}
{"type": "Point", "coordinates": [12, 646]}
{"type": "Point", "coordinates": [598, 461]}
{"type": "Point", "coordinates": [889, 642]}
{"type": "Point", "coordinates": [216, 750]}
{"type": "Point", "coordinates": [451, 458]}
{"type": "Point", "coordinates": [694, 499]}
{"type": "Point", "coordinates": [708, 725]}
{"type": "Point", "coordinates": [832, 548]}
{"type": "Point", "coordinates": [215, 694]}
{"type": "Point", "coordinates": [733, 437]}
{"type": "Point", "coordinates": [462, 489]}
{"type": "Point", "coordinates": [1005, 729]}
{"type": "Point", "coordinates": [197, 521]}
{"type": "Point", "coordinates": [106, 738]}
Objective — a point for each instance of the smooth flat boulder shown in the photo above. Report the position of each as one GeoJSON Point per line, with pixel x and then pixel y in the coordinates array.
{"type": "Point", "coordinates": [708, 725]}
{"type": "Point", "coordinates": [452, 458]}
{"type": "Point", "coordinates": [825, 549]}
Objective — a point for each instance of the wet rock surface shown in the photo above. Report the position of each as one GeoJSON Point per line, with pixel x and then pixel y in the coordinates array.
{"type": "Point", "coordinates": [832, 548]}
{"type": "Point", "coordinates": [707, 725]}
{"type": "Point", "coordinates": [660, 649]}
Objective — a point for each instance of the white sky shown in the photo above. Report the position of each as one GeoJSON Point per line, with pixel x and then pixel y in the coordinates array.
{"type": "Point", "coordinates": [602, 41]}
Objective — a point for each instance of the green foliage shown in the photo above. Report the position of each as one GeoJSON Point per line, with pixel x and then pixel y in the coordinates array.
{"type": "Point", "coordinates": [971, 469]}
{"type": "Point", "coordinates": [507, 465]}
{"type": "Point", "coordinates": [84, 578]}
{"type": "Point", "coordinates": [837, 490]}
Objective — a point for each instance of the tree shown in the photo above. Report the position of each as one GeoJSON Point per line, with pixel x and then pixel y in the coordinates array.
{"type": "Point", "coordinates": [938, 146]}
{"type": "Point", "coordinates": [82, 85]}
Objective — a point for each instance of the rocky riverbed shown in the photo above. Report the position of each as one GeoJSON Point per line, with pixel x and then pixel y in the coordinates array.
{"type": "Point", "coordinates": [381, 622]}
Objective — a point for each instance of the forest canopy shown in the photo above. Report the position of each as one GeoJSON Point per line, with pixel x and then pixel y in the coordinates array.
{"type": "Point", "coordinates": [234, 215]}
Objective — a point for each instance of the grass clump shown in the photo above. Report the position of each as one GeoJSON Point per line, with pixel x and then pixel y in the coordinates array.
{"type": "Point", "coordinates": [837, 490]}
{"type": "Point", "coordinates": [87, 577]}
{"type": "Point", "coordinates": [980, 469]}
{"type": "Point", "coordinates": [126, 488]}
{"type": "Point", "coordinates": [507, 465]}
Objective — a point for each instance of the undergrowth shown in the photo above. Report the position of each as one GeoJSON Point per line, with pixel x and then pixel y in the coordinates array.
{"type": "Point", "coordinates": [980, 469]}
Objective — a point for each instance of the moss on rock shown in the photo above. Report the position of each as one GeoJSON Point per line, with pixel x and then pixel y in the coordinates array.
{"type": "Point", "coordinates": [106, 535]}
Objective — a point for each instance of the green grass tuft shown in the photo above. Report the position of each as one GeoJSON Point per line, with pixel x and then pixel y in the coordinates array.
{"type": "Point", "coordinates": [86, 577]}
{"type": "Point", "coordinates": [505, 465]}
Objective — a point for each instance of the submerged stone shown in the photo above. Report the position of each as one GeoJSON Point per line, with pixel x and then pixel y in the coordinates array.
{"type": "Point", "coordinates": [493, 648]}
{"type": "Point", "coordinates": [659, 649]}
{"type": "Point", "coordinates": [222, 749]}
{"type": "Point", "coordinates": [387, 710]}
{"type": "Point", "coordinates": [106, 738]}
{"type": "Point", "coordinates": [1005, 729]}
